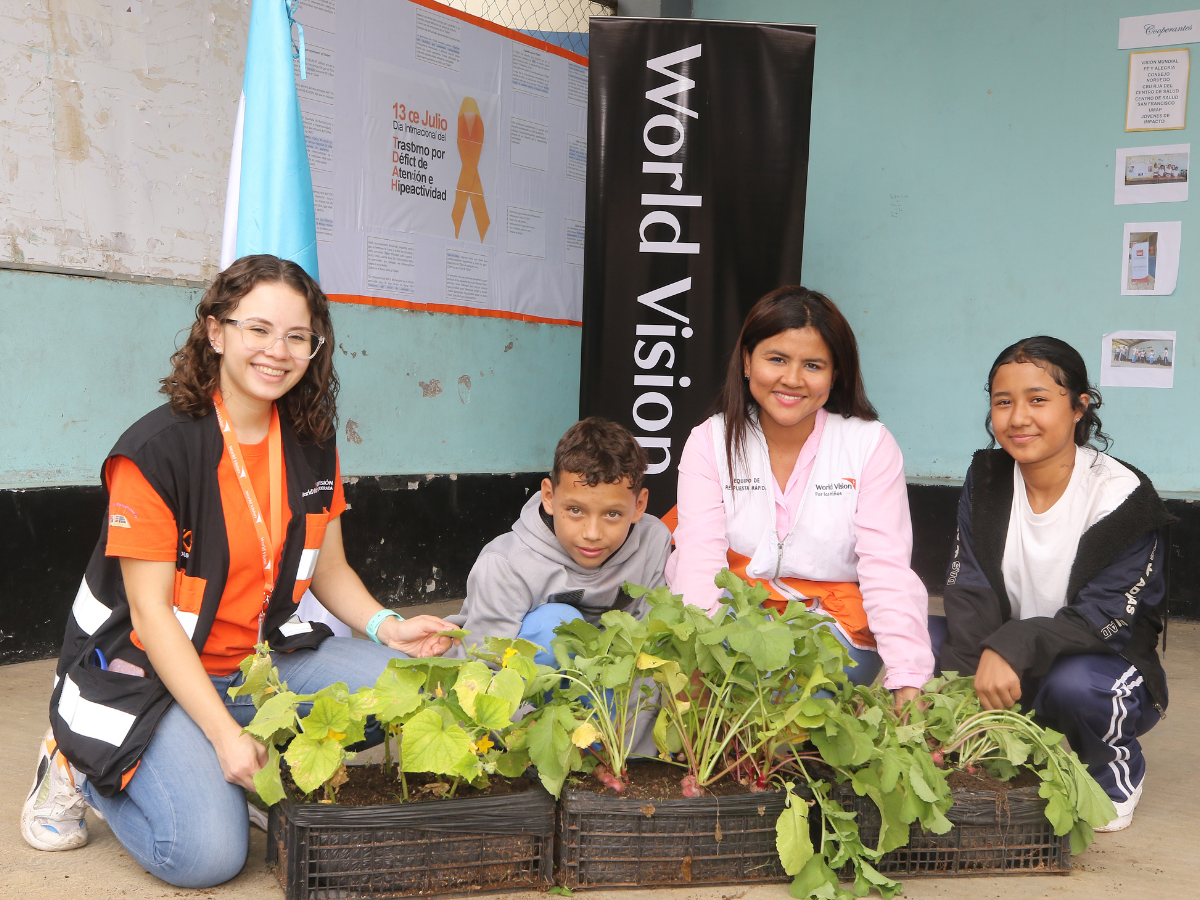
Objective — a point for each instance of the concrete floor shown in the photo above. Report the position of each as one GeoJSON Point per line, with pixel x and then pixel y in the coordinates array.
{"type": "Point", "coordinates": [1153, 859]}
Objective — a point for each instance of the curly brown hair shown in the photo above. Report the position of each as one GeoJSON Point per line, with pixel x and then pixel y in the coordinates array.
{"type": "Point", "coordinates": [603, 452]}
{"type": "Point", "coordinates": [311, 405]}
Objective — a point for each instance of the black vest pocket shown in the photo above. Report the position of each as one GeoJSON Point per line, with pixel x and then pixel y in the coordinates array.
{"type": "Point", "coordinates": [309, 639]}
{"type": "Point", "coordinates": [103, 721]}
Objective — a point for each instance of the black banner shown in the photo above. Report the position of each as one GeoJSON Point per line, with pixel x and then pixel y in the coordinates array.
{"type": "Point", "coordinates": [697, 169]}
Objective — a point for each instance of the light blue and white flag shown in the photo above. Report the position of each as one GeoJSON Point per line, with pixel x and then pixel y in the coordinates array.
{"type": "Point", "coordinates": [269, 202]}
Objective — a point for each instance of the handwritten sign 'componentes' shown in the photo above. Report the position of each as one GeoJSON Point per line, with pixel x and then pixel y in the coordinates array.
{"type": "Point", "coordinates": [1159, 31]}
{"type": "Point", "coordinates": [1158, 83]}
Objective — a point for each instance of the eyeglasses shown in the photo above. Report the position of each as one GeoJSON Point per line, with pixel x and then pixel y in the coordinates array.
{"type": "Point", "coordinates": [300, 344]}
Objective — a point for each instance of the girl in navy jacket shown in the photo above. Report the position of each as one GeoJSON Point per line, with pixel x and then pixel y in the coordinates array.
{"type": "Point", "coordinates": [1053, 593]}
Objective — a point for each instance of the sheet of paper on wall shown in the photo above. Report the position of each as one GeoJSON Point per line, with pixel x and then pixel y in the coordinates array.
{"type": "Point", "coordinates": [1158, 83]}
{"type": "Point", "coordinates": [1137, 359]}
{"type": "Point", "coordinates": [1159, 31]}
{"type": "Point", "coordinates": [1150, 258]}
{"type": "Point", "coordinates": [1152, 174]}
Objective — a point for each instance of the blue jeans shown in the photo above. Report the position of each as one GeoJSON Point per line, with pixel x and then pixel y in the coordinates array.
{"type": "Point", "coordinates": [538, 628]}
{"type": "Point", "coordinates": [178, 816]}
{"type": "Point", "coordinates": [869, 662]}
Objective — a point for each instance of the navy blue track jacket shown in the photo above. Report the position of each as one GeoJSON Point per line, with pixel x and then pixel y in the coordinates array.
{"type": "Point", "coordinates": [1114, 594]}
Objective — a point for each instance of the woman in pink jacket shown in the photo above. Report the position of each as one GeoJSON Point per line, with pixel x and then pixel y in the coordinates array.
{"type": "Point", "coordinates": [794, 483]}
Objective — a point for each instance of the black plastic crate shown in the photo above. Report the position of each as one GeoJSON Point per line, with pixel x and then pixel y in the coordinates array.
{"type": "Point", "coordinates": [993, 834]}
{"type": "Point", "coordinates": [607, 841]}
{"type": "Point", "coordinates": [429, 847]}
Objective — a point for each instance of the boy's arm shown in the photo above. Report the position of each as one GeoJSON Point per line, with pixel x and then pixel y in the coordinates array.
{"type": "Point", "coordinates": [496, 604]}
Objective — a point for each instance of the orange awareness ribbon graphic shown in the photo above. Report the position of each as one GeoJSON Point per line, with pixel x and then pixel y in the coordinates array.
{"type": "Point", "coordinates": [470, 187]}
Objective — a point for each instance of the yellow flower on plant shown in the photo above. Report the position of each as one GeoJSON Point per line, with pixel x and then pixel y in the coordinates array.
{"type": "Point", "coordinates": [483, 745]}
{"type": "Point", "coordinates": [508, 654]}
{"type": "Point", "coordinates": [336, 735]}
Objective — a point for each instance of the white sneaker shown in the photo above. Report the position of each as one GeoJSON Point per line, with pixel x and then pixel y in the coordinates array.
{"type": "Point", "coordinates": [258, 818]}
{"type": "Point", "coordinates": [1125, 810]}
{"type": "Point", "coordinates": [52, 817]}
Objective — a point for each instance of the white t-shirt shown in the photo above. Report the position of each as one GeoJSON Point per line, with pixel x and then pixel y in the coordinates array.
{"type": "Point", "coordinates": [1040, 548]}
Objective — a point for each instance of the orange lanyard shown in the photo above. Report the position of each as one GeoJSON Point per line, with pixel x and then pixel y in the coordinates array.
{"type": "Point", "coordinates": [268, 540]}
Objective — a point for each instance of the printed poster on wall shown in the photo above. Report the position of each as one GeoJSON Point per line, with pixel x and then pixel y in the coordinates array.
{"type": "Point", "coordinates": [460, 149]}
{"type": "Point", "coordinates": [1158, 86]}
{"type": "Point", "coordinates": [1137, 359]}
{"type": "Point", "coordinates": [1150, 258]}
{"type": "Point", "coordinates": [1152, 174]}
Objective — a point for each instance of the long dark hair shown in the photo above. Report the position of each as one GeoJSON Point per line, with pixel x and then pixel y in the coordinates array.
{"type": "Point", "coordinates": [311, 405]}
{"type": "Point", "coordinates": [1063, 363]}
{"type": "Point", "coordinates": [785, 308]}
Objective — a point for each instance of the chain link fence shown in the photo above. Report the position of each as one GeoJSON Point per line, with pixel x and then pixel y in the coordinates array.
{"type": "Point", "coordinates": [560, 22]}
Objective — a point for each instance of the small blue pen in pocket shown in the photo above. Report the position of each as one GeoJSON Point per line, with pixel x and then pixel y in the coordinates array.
{"type": "Point", "coordinates": [100, 660]}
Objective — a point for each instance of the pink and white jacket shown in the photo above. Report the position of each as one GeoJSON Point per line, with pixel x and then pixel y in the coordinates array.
{"type": "Point", "coordinates": [894, 599]}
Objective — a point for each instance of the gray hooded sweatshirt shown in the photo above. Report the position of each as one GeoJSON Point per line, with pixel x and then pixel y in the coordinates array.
{"type": "Point", "coordinates": [527, 567]}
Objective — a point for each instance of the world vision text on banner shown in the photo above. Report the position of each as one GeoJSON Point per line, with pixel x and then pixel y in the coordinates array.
{"type": "Point", "coordinates": [697, 172]}
{"type": "Point", "coordinates": [456, 166]}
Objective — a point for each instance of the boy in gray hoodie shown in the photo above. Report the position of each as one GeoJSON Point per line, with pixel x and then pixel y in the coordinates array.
{"type": "Point", "coordinates": [575, 543]}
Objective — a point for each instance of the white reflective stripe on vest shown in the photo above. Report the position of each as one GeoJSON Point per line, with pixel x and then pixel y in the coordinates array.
{"type": "Point", "coordinates": [89, 612]}
{"type": "Point", "coordinates": [308, 564]}
{"type": "Point", "coordinates": [821, 543]}
{"type": "Point", "coordinates": [188, 621]}
{"type": "Point", "coordinates": [94, 720]}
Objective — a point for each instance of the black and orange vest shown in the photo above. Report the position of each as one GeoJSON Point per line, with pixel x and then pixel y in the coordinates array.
{"type": "Point", "coordinates": [103, 720]}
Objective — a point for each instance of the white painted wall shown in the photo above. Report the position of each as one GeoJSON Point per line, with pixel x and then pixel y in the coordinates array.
{"type": "Point", "coordinates": [116, 120]}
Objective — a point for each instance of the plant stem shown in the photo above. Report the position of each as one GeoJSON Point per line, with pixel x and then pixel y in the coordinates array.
{"type": "Point", "coordinates": [400, 763]}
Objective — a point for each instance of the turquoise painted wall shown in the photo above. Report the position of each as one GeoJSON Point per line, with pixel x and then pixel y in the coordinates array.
{"type": "Point", "coordinates": [80, 360]}
{"type": "Point", "coordinates": [961, 197]}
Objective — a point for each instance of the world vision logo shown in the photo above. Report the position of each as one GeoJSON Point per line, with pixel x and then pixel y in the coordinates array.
{"type": "Point", "coordinates": [836, 488]}
{"type": "Point", "coordinates": [470, 186]}
{"type": "Point", "coordinates": [186, 544]}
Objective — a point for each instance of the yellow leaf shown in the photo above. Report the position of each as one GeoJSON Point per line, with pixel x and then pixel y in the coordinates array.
{"type": "Point", "coordinates": [585, 735]}
{"type": "Point", "coordinates": [646, 661]}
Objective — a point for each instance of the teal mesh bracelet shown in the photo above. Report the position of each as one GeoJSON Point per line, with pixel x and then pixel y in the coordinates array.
{"type": "Point", "coordinates": [377, 620]}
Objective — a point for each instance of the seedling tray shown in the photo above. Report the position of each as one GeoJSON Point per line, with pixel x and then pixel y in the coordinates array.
{"type": "Point", "coordinates": [993, 834]}
{"type": "Point", "coordinates": [429, 847]}
{"type": "Point", "coordinates": [607, 841]}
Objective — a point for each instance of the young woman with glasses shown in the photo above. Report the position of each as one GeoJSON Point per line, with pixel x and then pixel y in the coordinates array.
{"type": "Point", "coordinates": [224, 507]}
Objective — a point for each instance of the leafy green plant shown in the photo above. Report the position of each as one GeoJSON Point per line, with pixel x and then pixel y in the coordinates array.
{"type": "Point", "coordinates": [316, 743]}
{"type": "Point", "coordinates": [456, 717]}
{"type": "Point", "coordinates": [751, 669]}
{"type": "Point", "coordinates": [964, 735]}
{"type": "Point", "coordinates": [607, 682]}
{"type": "Point", "coordinates": [769, 704]}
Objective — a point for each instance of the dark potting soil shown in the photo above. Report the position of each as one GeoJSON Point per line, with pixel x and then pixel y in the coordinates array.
{"type": "Point", "coordinates": [961, 780]}
{"type": "Point", "coordinates": [370, 785]}
{"type": "Point", "coordinates": [652, 779]}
